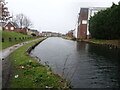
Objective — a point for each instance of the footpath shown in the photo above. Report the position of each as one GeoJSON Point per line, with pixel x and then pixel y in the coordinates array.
{"type": "Point", "coordinates": [5, 63]}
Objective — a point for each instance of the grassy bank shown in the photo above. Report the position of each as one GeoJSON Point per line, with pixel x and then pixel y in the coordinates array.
{"type": "Point", "coordinates": [7, 43]}
{"type": "Point", "coordinates": [29, 73]}
{"type": "Point", "coordinates": [69, 38]}
{"type": "Point", "coordinates": [106, 42]}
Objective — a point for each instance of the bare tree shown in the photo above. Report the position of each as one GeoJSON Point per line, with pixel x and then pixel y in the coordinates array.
{"type": "Point", "coordinates": [26, 22]}
{"type": "Point", "coordinates": [22, 21]}
{"type": "Point", "coordinates": [4, 13]}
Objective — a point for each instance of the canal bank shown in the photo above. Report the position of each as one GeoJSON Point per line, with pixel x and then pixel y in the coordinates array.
{"type": "Point", "coordinates": [110, 43]}
{"type": "Point", "coordinates": [69, 38]}
{"type": "Point", "coordinates": [30, 73]}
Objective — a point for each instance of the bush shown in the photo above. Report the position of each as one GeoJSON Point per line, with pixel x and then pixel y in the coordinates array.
{"type": "Point", "coordinates": [106, 24]}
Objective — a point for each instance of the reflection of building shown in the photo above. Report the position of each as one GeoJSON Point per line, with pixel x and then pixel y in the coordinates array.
{"type": "Point", "coordinates": [80, 46]}
{"type": "Point", "coordinates": [83, 21]}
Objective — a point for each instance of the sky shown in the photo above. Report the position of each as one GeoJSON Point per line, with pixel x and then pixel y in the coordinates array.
{"type": "Point", "coordinates": [54, 15]}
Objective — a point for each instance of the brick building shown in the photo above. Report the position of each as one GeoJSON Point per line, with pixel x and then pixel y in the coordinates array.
{"type": "Point", "coordinates": [82, 23]}
{"type": "Point", "coordinates": [70, 33]}
{"type": "Point", "coordinates": [82, 29]}
{"type": "Point", "coordinates": [13, 27]}
{"type": "Point", "coordinates": [32, 31]}
{"type": "Point", "coordinates": [10, 26]}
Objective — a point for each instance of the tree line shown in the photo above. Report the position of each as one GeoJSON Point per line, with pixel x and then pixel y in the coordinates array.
{"type": "Point", "coordinates": [106, 23]}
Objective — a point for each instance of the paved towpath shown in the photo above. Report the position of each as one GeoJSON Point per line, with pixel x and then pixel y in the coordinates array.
{"type": "Point", "coordinates": [4, 54]}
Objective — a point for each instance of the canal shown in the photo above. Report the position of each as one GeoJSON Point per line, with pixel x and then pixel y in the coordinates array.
{"type": "Point", "coordinates": [84, 65]}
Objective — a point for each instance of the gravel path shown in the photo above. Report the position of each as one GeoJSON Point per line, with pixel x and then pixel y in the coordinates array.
{"type": "Point", "coordinates": [5, 64]}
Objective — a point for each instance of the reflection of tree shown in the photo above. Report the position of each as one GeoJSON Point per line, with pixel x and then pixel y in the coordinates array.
{"type": "Point", "coordinates": [107, 63]}
{"type": "Point", "coordinates": [104, 51]}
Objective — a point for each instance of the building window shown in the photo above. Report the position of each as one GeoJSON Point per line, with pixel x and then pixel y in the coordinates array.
{"type": "Point", "coordinates": [84, 21]}
{"type": "Point", "coordinates": [12, 28]}
{"type": "Point", "coordinates": [6, 27]}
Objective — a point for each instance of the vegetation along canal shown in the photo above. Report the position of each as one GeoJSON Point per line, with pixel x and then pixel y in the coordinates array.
{"type": "Point", "coordinates": [84, 65]}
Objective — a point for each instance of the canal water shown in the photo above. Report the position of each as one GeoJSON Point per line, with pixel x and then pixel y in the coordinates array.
{"type": "Point", "coordinates": [84, 65]}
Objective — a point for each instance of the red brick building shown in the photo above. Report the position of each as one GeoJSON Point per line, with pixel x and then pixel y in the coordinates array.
{"type": "Point", "coordinates": [23, 30]}
{"type": "Point", "coordinates": [70, 33]}
{"type": "Point", "coordinates": [10, 26]}
{"type": "Point", "coordinates": [13, 27]}
{"type": "Point", "coordinates": [82, 23]}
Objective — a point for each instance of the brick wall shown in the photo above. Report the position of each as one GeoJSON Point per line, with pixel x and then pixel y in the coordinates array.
{"type": "Point", "coordinates": [82, 28]}
{"type": "Point", "coordinates": [8, 28]}
{"type": "Point", "coordinates": [70, 34]}
{"type": "Point", "coordinates": [18, 30]}
{"type": "Point", "coordinates": [24, 31]}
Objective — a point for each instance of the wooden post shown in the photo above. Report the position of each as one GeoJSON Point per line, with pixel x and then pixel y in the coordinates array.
{"type": "Point", "coordinates": [15, 38]}
{"type": "Point", "coordinates": [19, 38]}
{"type": "Point", "coordinates": [2, 39]}
{"type": "Point", "coordinates": [10, 39]}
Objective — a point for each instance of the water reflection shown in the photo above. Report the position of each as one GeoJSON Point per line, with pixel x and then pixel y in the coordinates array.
{"type": "Point", "coordinates": [84, 65]}
{"type": "Point", "coordinates": [107, 62]}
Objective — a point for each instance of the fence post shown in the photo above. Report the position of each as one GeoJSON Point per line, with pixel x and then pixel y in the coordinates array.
{"type": "Point", "coordinates": [15, 38]}
{"type": "Point", "coordinates": [19, 38]}
{"type": "Point", "coordinates": [2, 39]}
{"type": "Point", "coordinates": [10, 39]}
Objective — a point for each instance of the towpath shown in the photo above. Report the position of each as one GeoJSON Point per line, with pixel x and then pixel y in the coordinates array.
{"type": "Point", "coordinates": [5, 63]}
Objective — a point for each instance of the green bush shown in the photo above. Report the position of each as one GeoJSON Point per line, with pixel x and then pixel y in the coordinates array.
{"type": "Point", "coordinates": [106, 23]}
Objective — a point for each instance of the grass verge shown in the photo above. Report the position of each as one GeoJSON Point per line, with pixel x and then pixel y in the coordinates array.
{"type": "Point", "coordinates": [69, 38]}
{"type": "Point", "coordinates": [29, 73]}
{"type": "Point", "coordinates": [107, 42]}
{"type": "Point", "coordinates": [7, 34]}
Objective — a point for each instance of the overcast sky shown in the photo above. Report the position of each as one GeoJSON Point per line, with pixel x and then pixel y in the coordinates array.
{"type": "Point", "coordinates": [54, 15]}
